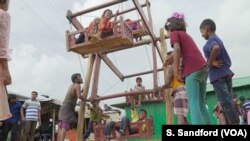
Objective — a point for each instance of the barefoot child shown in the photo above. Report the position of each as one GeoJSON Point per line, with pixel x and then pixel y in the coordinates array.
{"type": "Point", "coordinates": [195, 70]}
{"type": "Point", "coordinates": [179, 93]}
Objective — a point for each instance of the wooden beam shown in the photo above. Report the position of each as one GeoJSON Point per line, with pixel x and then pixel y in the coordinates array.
{"type": "Point", "coordinates": [155, 74]}
{"type": "Point", "coordinates": [96, 76]}
{"type": "Point", "coordinates": [74, 21]}
{"type": "Point", "coordinates": [81, 114]}
{"type": "Point", "coordinates": [144, 19]}
{"type": "Point", "coordinates": [132, 93]}
{"type": "Point", "coordinates": [97, 7]}
{"type": "Point", "coordinates": [112, 66]}
{"type": "Point", "coordinates": [151, 26]}
{"type": "Point", "coordinates": [141, 73]}
{"type": "Point", "coordinates": [168, 100]}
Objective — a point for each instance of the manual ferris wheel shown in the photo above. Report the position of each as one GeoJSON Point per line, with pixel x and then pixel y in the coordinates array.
{"type": "Point", "coordinates": [120, 37]}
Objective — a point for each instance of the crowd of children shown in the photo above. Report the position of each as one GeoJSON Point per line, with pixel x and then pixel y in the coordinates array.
{"type": "Point", "coordinates": [103, 27]}
{"type": "Point", "coordinates": [191, 80]}
{"type": "Point", "coordinates": [196, 70]}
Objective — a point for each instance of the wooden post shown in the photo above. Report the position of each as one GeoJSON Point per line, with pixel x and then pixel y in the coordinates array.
{"type": "Point", "coordinates": [149, 26]}
{"type": "Point", "coordinates": [96, 76]}
{"type": "Point", "coordinates": [53, 122]}
{"type": "Point", "coordinates": [169, 108]}
{"type": "Point", "coordinates": [81, 113]}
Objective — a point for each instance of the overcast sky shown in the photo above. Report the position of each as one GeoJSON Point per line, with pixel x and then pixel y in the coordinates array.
{"type": "Point", "coordinates": [40, 61]}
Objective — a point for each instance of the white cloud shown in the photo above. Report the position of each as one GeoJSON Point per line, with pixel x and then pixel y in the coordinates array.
{"type": "Point", "coordinates": [48, 75]}
{"type": "Point", "coordinates": [233, 28]}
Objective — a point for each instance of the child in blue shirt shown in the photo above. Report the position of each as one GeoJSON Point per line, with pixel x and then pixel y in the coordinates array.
{"type": "Point", "coordinates": [219, 64]}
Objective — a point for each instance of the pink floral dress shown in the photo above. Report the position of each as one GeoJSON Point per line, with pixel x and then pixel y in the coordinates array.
{"type": "Point", "coordinates": [4, 54]}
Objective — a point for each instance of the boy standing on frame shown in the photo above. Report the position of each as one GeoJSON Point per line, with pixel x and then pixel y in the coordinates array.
{"type": "Point", "coordinates": [138, 87]}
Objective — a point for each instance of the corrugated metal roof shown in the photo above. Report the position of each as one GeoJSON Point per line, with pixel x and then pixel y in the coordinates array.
{"type": "Point", "coordinates": [25, 96]}
{"type": "Point", "coordinates": [237, 82]}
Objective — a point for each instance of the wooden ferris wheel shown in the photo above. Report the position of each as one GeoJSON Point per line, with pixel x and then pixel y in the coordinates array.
{"type": "Point", "coordinates": [122, 36]}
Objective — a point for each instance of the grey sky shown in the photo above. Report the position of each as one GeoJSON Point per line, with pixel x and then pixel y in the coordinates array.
{"type": "Point", "coordinates": [40, 61]}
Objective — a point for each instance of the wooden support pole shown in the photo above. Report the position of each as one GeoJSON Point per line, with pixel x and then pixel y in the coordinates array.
{"type": "Point", "coordinates": [96, 76]}
{"type": "Point", "coordinates": [74, 21]}
{"type": "Point", "coordinates": [81, 114]}
{"type": "Point", "coordinates": [151, 26]}
{"type": "Point", "coordinates": [53, 124]}
{"type": "Point", "coordinates": [155, 74]}
{"type": "Point", "coordinates": [169, 108]}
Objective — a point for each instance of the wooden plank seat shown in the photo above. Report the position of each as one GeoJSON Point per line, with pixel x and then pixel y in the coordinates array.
{"type": "Point", "coordinates": [120, 38]}
{"type": "Point", "coordinates": [149, 126]}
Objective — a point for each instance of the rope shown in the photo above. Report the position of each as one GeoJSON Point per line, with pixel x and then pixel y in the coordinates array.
{"type": "Point", "coordinates": [111, 87]}
{"type": "Point", "coordinates": [148, 57]}
{"type": "Point", "coordinates": [129, 84]}
{"type": "Point", "coordinates": [83, 74]}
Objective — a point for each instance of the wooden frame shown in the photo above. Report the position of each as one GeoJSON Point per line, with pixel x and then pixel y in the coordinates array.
{"type": "Point", "coordinates": [122, 38]}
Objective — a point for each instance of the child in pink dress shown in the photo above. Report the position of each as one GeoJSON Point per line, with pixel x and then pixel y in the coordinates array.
{"type": "Point", "coordinates": [195, 71]}
{"type": "Point", "coordinates": [5, 78]}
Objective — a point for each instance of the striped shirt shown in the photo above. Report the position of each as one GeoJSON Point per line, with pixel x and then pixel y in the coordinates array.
{"type": "Point", "coordinates": [32, 109]}
{"type": "Point", "coordinates": [15, 111]}
{"type": "Point", "coordinates": [246, 104]}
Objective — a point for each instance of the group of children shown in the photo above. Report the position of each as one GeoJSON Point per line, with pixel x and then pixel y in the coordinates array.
{"type": "Point", "coordinates": [242, 108]}
{"type": "Point", "coordinates": [189, 71]}
{"type": "Point", "coordinates": [196, 69]}
{"type": "Point", "coordinates": [102, 27]}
